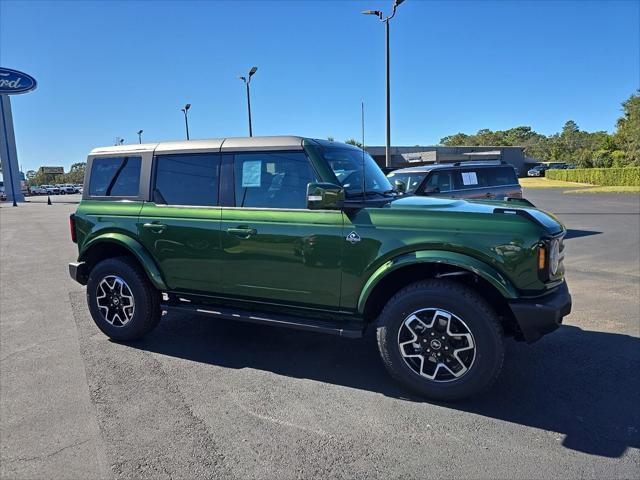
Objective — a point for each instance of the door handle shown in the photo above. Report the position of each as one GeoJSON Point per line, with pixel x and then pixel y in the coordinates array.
{"type": "Point", "coordinates": [242, 232]}
{"type": "Point", "coordinates": [155, 227]}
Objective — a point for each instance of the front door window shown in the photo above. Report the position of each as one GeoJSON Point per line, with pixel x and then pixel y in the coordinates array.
{"type": "Point", "coordinates": [272, 180]}
{"type": "Point", "coordinates": [440, 182]}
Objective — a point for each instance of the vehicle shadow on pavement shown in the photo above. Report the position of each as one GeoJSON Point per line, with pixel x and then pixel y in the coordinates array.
{"type": "Point", "coordinates": [581, 384]}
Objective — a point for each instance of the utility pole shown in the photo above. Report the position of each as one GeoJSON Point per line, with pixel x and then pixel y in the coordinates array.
{"type": "Point", "coordinates": [185, 109]}
{"type": "Point", "coordinates": [246, 81]}
{"type": "Point", "coordinates": [386, 20]}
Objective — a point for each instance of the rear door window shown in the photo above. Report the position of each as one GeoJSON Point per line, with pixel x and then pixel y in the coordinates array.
{"type": "Point", "coordinates": [115, 177]}
{"type": "Point", "coordinates": [470, 178]}
{"type": "Point", "coordinates": [485, 177]}
{"type": "Point", "coordinates": [499, 176]}
{"type": "Point", "coordinates": [187, 179]}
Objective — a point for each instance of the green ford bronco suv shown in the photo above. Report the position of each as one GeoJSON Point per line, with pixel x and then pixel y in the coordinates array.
{"type": "Point", "coordinates": [309, 234]}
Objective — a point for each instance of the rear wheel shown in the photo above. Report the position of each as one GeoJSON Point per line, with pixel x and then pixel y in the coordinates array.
{"type": "Point", "coordinates": [441, 339]}
{"type": "Point", "coordinates": [122, 301]}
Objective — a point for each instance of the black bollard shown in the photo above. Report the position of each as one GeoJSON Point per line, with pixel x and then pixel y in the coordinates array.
{"type": "Point", "coordinates": [48, 199]}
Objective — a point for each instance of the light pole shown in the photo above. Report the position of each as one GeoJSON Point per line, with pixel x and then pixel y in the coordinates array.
{"type": "Point", "coordinates": [246, 81]}
{"type": "Point", "coordinates": [380, 16]}
{"type": "Point", "coordinates": [140, 136]}
{"type": "Point", "coordinates": [186, 121]}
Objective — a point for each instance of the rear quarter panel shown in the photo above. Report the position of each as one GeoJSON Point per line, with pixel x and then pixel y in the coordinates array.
{"type": "Point", "coordinates": [97, 217]}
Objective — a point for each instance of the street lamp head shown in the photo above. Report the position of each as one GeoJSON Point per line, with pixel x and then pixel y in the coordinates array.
{"type": "Point", "coordinates": [243, 79]}
{"type": "Point", "coordinates": [187, 106]}
{"type": "Point", "coordinates": [397, 3]}
{"type": "Point", "coordinates": [252, 71]}
{"type": "Point", "coordinates": [139, 132]}
{"type": "Point", "coordinates": [377, 13]}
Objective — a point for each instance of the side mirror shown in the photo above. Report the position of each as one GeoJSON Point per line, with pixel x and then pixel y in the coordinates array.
{"type": "Point", "coordinates": [431, 190]}
{"type": "Point", "coordinates": [324, 196]}
{"type": "Point", "coordinates": [401, 187]}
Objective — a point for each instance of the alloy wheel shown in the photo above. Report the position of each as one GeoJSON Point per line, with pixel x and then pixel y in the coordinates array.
{"type": "Point", "coordinates": [115, 300]}
{"type": "Point", "coordinates": [436, 344]}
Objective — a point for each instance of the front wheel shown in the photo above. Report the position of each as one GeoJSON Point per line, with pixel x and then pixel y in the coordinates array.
{"type": "Point", "coordinates": [441, 339]}
{"type": "Point", "coordinates": [122, 301]}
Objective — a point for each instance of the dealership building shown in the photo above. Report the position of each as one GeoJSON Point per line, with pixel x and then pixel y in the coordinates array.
{"type": "Point", "coordinates": [413, 156]}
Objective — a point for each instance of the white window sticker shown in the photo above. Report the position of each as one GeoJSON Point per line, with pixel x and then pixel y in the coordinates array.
{"type": "Point", "coordinates": [469, 178]}
{"type": "Point", "coordinates": [251, 173]}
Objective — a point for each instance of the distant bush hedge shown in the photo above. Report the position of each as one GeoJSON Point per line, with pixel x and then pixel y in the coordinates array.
{"type": "Point", "coordinates": [629, 176]}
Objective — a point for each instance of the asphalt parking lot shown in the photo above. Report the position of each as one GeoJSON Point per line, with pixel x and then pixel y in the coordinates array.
{"type": "Point", "coordinates": [201, 398]}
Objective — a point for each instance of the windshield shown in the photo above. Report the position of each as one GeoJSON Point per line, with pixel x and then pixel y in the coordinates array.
{"type": "Point", "coordinates": [346, 163]}
{"type": "Point", "coordinates": [410, 181]}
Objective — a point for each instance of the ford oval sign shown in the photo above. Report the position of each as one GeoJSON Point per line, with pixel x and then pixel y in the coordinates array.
{"type": "Point", "coordinates": [13, 82]}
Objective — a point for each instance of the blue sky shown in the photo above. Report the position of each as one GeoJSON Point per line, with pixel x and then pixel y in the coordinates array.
{"type": "Point", "coordinates": [108, 69]}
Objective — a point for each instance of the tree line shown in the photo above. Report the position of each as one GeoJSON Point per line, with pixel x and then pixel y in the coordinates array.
{"type": "Point", "coordinates": [571, 145]}
{"type": "Point", "coordinates": [75, 175]}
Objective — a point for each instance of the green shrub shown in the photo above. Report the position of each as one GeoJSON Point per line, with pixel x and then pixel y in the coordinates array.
{"type": "Point", "coordinates": [628, 176]}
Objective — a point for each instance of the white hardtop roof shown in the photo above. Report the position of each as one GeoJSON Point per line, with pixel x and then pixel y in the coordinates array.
{"type": "Point", "coordinates": [220, 144]}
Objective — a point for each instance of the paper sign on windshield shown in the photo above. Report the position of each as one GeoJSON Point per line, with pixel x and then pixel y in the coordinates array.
{"type": "Point", "coordinates": [251, 173]}
{"type": "Point", "coordinates": [469, 178]}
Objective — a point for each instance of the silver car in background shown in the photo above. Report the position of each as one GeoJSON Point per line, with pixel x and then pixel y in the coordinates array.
{"type": "Point", "coordinates": [458, 180]}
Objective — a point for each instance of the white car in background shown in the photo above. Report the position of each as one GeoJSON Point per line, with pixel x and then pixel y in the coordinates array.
{"type": "Point", "coordinates": [38, 190]}
{"type": "Point", "coordinates": [67, 188]}
{"type": "Point", "coordinates": [50, 189]}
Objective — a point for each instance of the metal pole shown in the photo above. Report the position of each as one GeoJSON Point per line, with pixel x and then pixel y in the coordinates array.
{"type": "Point", "coordinates": [139, 138]}
{"type": "Point", "coordinates": [386, 20]}
{"type": "Point", "coordinates": [249, 108]}
{"type": "Point", "coordinates": [388, 146]}
{"type": "Point", "coordinates": [364, 169]}
{"type": "Point", "coordinates": [186, 123]}
{"type": "Point", "coordinates": [6, 138]}
{"type": "Point", "coordinates": [362, 120]}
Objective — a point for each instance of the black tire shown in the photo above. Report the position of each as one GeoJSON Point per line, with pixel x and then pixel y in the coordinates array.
{"type": "Point", "coordinates": [147, 312]}
{"type": "Point", "coordinates": [478, 317]}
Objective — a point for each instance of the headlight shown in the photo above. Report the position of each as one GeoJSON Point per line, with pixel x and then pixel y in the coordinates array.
{"type": "Point", "coordinates": [550, 257]}
{"type": "Point", "coordinates": [554, 256]}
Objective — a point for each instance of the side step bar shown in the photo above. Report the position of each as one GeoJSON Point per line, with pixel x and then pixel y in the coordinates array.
{"type": "Point", "coordinates": [311, 325]}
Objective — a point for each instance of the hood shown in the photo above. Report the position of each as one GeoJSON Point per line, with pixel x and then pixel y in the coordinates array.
{"type": "Point", "coordinates": [488, 207]}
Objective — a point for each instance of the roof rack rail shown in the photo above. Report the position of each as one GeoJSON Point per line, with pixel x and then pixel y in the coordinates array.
{"type": "Point", "coordinates": [480, 162]}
